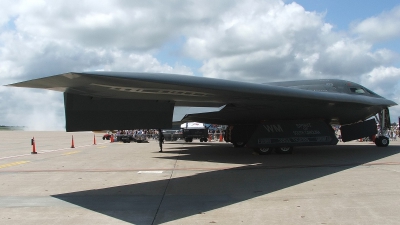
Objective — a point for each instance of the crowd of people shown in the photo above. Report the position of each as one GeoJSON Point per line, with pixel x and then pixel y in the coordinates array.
{"type": "Point", "coordinates": [144, 134]}
{"type": "Point", "coordinates": [139, 134]}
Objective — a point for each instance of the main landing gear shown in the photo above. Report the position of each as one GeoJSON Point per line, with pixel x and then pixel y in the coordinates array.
{"type": "Point", "coordinates": [278, 150]}
{"type": "Point", "coordinates": [384, 122]}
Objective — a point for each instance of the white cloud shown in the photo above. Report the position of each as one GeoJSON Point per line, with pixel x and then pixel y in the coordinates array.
{"type": "Point", "coordinates": [122, 61]}
{"type": "Point", "coordinates": [385, 81]}
{"type": "Point", "coordinates": [348, 59]}
{"type": "Point", "coordinates": [125, 25]}
{"type": "Point", "coordinates": [379, 28]}
{"type": "Point", "coordinates": [274, 41]}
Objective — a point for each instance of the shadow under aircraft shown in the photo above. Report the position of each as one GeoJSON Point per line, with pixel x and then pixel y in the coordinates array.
{"type": "Point", "coordinates": [246, 177]}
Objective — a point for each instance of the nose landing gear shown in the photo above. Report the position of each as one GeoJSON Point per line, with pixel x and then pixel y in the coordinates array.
{"type": "Point", "coordinates": [384, 122]}
{"type": "Point", "coordinates": [381, 141]}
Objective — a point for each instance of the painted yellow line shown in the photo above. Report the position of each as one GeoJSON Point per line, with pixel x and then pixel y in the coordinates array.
{"type": "Point", "coordinates": [102, 147]}
{"type": "Point", "coordinates": [70, 153]}
{"type": "Point", "coordinates": [13, 164]}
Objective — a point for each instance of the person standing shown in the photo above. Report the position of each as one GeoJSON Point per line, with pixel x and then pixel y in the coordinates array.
{"type": "Point", "coordinates": [160, 139]}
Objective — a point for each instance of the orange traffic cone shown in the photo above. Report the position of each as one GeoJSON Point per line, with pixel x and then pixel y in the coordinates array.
{"type": "Point", "coordinates": [112, 138]}
{"type": "Point", "coordinates": [221, 138]}
{"type": "Point", "coordinates": [33, 146]}
{"type": "Point", "coordinates": [94, 139]}
{"type": "Point", "coordinates": [72, 144]}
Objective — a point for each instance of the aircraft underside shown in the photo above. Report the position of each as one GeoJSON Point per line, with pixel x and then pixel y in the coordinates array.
{"type": "Point", "coordinates": [247, 127]}
{"type": "Point", "coordinates": [282, 135]}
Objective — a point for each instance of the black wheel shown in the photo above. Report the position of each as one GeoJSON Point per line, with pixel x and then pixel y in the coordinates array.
{"type": "Point", "coordinates": [264, 150]}
{"type": "Point", "coordinates": [377, 141]}
{"type": "Point", "coordinates": [239, 144]}
{"type": "Point", "coordinates": [382, 141]}
{"type": "Point", "coordinates": [205, 140]}
{"type": "Point", "coordinates": [284, 150]}
{"type": "Point", "coordinates": [201, 139]}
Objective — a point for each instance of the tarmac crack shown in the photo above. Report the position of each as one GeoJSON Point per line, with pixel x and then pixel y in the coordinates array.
{"type": "Point", "coordinates": [165, 191]}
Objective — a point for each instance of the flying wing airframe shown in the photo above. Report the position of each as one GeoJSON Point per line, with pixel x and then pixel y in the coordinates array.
{"type": "Point", "coordinates": [264, 116]}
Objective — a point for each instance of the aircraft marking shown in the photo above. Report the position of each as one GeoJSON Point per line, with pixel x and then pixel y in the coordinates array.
{"type": "Point", "coordinates": [13, 164]}
{"type": "Point", "coordinates": [154, 91]}
{"type": "Point", "coordinates": [273, 128]}
{"type": "Point", "coordinates": [291, 140]}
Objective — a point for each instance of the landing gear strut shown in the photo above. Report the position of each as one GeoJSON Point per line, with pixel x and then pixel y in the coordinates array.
{"type": "Point", "coordinates": [384, 122]}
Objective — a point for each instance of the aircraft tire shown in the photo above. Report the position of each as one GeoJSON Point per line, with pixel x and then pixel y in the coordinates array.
{"type": "Point", "coordinates": [264, 150]}
{"type": "Point", "coordinates": [239, 144]}
{"type": "Point", "coordinates": [382, 141]}
{"type": "Point", "coordinates": [284, 150]}
{"type": "Point", "coordinates": [377, 141]}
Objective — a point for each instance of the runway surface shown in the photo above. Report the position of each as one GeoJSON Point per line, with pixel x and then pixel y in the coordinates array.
{"type": "Point", "coordinates": [193, 183]}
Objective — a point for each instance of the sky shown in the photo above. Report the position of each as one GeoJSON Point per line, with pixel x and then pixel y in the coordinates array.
{"type": "Point", "coordinates": [245, 40]}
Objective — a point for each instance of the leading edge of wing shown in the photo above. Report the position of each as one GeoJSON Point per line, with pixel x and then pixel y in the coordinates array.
{"type": "Point", "coordinates": [191, 88]}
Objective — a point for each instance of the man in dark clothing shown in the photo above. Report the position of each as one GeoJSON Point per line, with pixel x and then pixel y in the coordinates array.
{"type": "Point", "coordinates": [160, 139]}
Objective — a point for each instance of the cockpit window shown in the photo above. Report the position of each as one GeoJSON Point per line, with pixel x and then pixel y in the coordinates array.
{"type": "Point", "coordinates": [357, 90]}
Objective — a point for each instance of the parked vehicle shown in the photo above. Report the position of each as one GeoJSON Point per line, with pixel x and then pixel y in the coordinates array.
{"type": "Point", "coordinates": [194, 130]}
{"type": "Point", "coordinates": [107, 136]}
{"type": "Point", "coordinates": [172, 135]}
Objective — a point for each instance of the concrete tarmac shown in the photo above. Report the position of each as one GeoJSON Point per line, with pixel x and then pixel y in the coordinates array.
{"type": "Point", "coordinates": [193, 183]}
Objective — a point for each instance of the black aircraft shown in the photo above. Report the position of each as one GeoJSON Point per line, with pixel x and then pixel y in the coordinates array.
{"type": "Point", "coordinates": [263, 116]}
